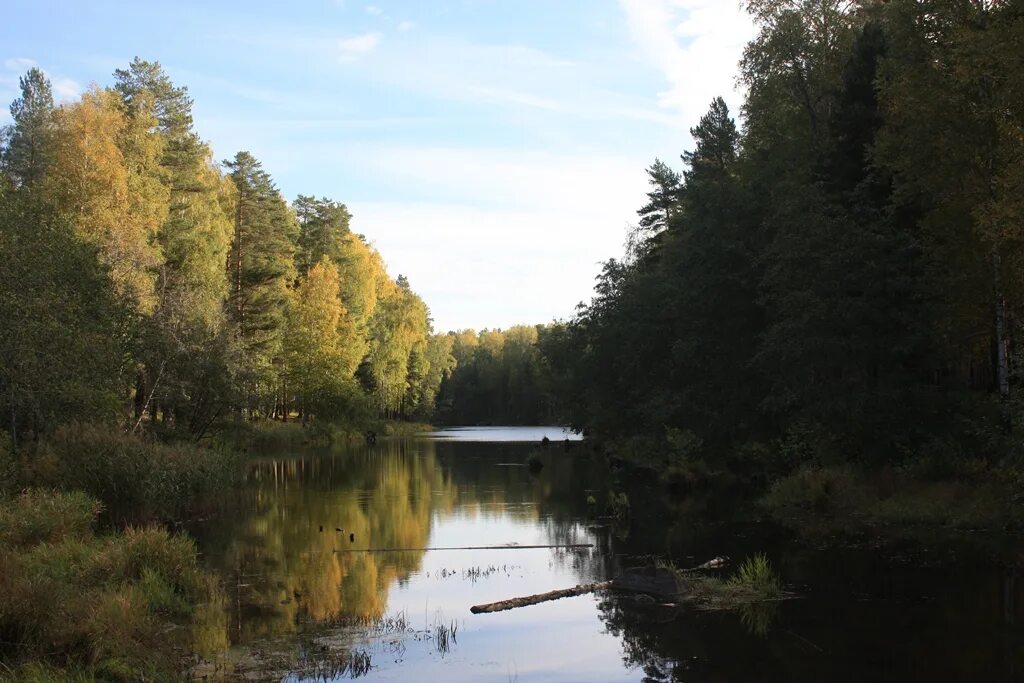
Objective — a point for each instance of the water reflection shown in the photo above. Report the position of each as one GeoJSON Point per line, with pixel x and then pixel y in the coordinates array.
{"type": "Point", "coordinates": [308, 610]}
{"type": "Point", "coordinates": [534, 435]}
{"type": "Point", "coordinates": [289, 569]}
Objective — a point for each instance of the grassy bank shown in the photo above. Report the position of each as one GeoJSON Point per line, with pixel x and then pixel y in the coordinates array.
{"type": "Point", "coordinates": [972, 495]}
{"type": "Point", "coordinates": [136, 479]}
{"type": "Point", "coordinates": [271, 434]}
{"type": "Point", "coordinates": [74, 605]}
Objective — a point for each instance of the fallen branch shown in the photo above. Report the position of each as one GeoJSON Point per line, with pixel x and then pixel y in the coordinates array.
{"type": "Point", "coordinates": [468, 547]}
{"type": "Point", "coordinates": [503, 605]}
{"type": "Point", "coordinates": [657, 581]}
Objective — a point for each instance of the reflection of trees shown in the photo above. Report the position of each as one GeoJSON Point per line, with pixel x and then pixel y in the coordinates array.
{"type": "Point", "coordinates": [281, 570]}
{"type": "Point", "coordinates": [284, 568]}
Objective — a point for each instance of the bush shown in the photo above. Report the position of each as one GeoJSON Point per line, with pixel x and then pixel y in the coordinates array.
{"type": "Point", "coordinates": [686, 475]}
{"type": "Point", "coordinates": [617, 505]}
{"type": "Point", "coordinates": [46, 517]}
{"type": "Point", "coordinates": [135, 479]}
{"type": "Point", "coordinates": [79, 607]}
{"type": "Point", "coordinates": [814, 488]}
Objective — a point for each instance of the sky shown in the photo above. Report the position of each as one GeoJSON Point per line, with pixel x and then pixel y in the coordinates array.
{"type": "Point", "coordinates": [492, 150]}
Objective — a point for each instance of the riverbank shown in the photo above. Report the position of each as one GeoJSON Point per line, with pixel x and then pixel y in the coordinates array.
{"type": "Point", "coordinates": [923, 497]}
{"type": "Point", "coordinates": [269, 434]}
{"type": "Point", "coordinates": [977, 497]}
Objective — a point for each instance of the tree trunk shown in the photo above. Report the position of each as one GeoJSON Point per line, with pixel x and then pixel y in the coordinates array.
{"type": "Point", "coordinates": [14, 420]}
{"type": "Point", "coordinates": [1002, 360]}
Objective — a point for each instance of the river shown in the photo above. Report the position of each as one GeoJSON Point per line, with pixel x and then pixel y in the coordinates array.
{"type": "Point", "coordinates": [309, 602]}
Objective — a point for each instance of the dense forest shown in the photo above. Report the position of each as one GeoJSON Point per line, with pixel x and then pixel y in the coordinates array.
{"type": "Point", "coordinates": [499, 377]}
{"type": "Point", "coordinates": [839, 277]}
{"type": "Point", "coordinates": [151, 283]}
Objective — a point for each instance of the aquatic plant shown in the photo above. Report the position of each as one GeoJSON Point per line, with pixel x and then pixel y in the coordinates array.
{"type": "Point", "coordinates": [444, 636]}
{"type": "Point", "coordinates": [756, 576]}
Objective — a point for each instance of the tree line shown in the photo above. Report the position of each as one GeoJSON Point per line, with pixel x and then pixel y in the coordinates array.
{"type": "Point", "coordinates": [499, 378]}
{"type": "Point", "coordinates": [144, 282]}
{"type": "Point", "coordinates": [840, 275]}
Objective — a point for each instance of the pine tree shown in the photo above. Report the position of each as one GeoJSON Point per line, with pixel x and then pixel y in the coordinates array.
{"type": "Point", "coordinates": [261, 268]}
{"type": "Point", "coordinates": [28, 151]}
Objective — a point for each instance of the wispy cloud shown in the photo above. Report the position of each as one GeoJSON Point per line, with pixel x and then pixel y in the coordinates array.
{"type": "Point", "coordinates": [64, 89]}
{"type": "Point", "coordinates": [353, 48]}
{"type": "Point", "coordinates": [406, 26]}
{"type": "Point", "coordinates": [374, 11]}
{"type": "Point", "coordinates": [696, 44]}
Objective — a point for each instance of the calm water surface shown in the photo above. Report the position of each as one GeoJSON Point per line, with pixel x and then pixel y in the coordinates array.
{"type": "Point", "coordinates": [307, 604]}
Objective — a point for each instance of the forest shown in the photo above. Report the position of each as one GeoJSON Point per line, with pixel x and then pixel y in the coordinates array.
{"type": "Point", "coordinates": [153, 284]}
{"type": "Point", "coordinates": [837, 279]}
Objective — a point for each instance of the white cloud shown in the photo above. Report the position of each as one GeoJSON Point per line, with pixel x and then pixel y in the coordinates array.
{"type": "Point", "coordinates": [696, 44]}
{"type": "Point", "coordinates": [19, 64]}
{"type": "Point", "coordinates": [64, 89]}
{"type": "Point", "coordinates": [374, 11]}
{"type": "Point", "coordinates": [406, 26]}
{"type": "Point", "coordinates": [352, 48]}
{"type": "Point", "coordinates": [514, 236]}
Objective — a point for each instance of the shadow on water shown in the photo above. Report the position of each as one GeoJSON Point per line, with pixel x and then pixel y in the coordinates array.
{"type": "Point", "coordinates": [296, 605]}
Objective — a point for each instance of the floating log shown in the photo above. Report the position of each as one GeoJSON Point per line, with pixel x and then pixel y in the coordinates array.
{"type": "Point", "coordinates": [570, 546]}
{"type": "Point", "coordinates": [659, 582]}
{"type": "Point", "coordinates": [513, 603]}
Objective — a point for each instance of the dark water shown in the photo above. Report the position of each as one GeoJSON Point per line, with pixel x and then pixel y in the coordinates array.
{"type": "Point", "coordinates": [298, 609]}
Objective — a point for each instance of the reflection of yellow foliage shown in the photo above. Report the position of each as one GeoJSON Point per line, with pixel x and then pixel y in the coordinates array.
{"type": "Point", "coordinates": [290, 565]}
{"type": "Point", "coordinates": [289, 569]}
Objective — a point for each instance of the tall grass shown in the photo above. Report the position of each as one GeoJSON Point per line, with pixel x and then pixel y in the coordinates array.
{"type": "Point", "coordinates": [76, 606]}
{"type": "Point", "coordinates": [135, 479]}
{"type": "Point", "coordinates": [755, 581]}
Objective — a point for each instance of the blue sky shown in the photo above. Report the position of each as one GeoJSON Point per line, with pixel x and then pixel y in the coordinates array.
{"type": "Point", "coordinates": [492, 150]}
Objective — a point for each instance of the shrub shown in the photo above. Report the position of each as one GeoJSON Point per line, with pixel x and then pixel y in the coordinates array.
{"type": "Point", "coordinates": [686, 475]}
{"type": "Point", "coordinates": [46, 517]}
{"type": "Point", "coordinates": [617, 505]}
{"type": "Point", "coordinates": [814, 488]}
{"type": "Point", "coordinates": [136, 480]}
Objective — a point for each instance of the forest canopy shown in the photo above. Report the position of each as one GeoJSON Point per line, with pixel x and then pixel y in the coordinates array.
{"type": "Point", "coordinates": [840, 276]}
{"type": "Point", "coordinates": [150, 282]}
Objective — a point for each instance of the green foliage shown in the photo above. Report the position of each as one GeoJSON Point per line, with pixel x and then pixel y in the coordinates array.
{"type": "Point", "coordinates": [927, 492]}
{"type": "Point", "coordinates": [63, 351]}
{"type": "Point", "coordinates": [756, 575]}
{"type": "Point", "coordinates": [814, 489]}
{"type": "Point", "coordinates": [617, 505]}
{"type": "Point", "coordinates": [839, 281]}
{"type": "Point", "coordinates": [29, 148]}
{"type": "Point", "coordinates": [148, 287]}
